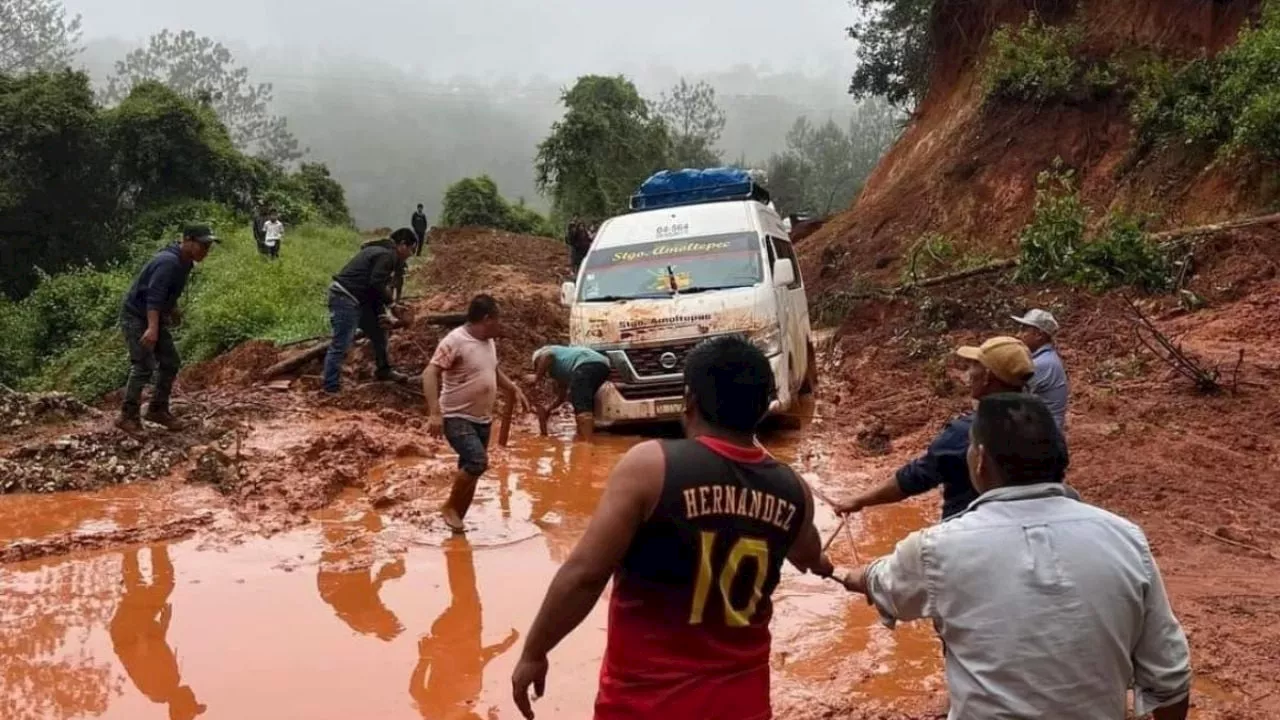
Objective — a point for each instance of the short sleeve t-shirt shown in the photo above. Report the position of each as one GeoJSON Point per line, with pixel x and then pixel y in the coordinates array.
{"type": "Point", "coordinates": [469, 370]}
{"type": "Point", "coordinates": [565, 359]}
{"type": "Point", "coordinates": [274, 231]}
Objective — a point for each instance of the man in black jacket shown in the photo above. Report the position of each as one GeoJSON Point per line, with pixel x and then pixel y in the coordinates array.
{"type": "Point", "coordinates": [419, 223]}
{"type": "Point", "coordinates": [150, 308]}
{"type": "Point", "coordinates": [358, 298]}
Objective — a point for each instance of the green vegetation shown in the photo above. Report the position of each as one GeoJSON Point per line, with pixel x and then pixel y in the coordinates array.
{"type": "Point", "coordinates": [81, 184]}
{"type": "Point", "coordinates": [1054, 245]}
{"type": "Point", "coordinates": [824, 166]}
{"type": "Point", "coordinates": [88, 193]}
{"type": "Point", "coordinates": [695, 123]}
{"type": "Point", "coordinates": [606, 144]}
{"type": "Point", "coordinates": [64, 336]}
{"type": "Point", "coordinates": [476, 201]}
{"type": "Point", "coordinates": [1230, 103]}
{"type": "Point", "coordinates": [1033, 61]}
{"type": "Point", "coordinates": [895, 49]}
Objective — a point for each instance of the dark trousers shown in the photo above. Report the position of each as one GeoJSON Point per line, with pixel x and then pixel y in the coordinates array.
{"type": "Point", "coordinates": [161, 362]}
{"type": "Point", "coordinates": [576, 256]}
{"type": "Point", "coordinates": [345, 316]}
{"type": "Point", "coordinates": [273, 251]}
{"type": "Point", "coordinates": [422, 240]}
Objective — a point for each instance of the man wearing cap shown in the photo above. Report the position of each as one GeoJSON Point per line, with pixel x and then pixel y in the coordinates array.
{"type": "Point", "coordinates": [1050, 381]}
{"type": "Point", "coordinates": [150, 309]}
{"type": "Point", "coordinates": [999, 365]}
{"type": "Point", "coordinates": [578, 373]}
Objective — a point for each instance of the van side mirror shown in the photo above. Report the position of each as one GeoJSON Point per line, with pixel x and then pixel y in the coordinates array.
{"type": "Point", "coordinates": [784, 272]}
{"type": "Point", "coordinates": [567, 291]}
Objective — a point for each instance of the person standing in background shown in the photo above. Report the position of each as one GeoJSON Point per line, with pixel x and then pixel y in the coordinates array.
{"type": "Point", "coordinates": [1039, 327]}
{"type": "Point", "coordinates": [259, 237]}
{"type": "Point", "coordinates": [273, 234]}
{"type": "Point", "coordinates": [150, 309]}
{"type": "Point", "coordinates": [419, 224]}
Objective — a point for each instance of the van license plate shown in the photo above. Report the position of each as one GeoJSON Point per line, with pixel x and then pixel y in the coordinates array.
{"type": "Point", "coordinates": [668, 407]}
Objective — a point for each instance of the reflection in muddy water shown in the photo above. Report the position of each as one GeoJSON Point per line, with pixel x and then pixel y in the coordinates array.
{"type": "Point", "coordinates": [138, 635]}
{"type": "Point", "coordinates": [338, 619]}
{"type": "Point", "coordinates": [448, 678]}
{"type": "Point", "coordinates": [351, 587]}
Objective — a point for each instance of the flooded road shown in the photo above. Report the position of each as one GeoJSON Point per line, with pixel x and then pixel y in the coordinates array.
{"type": "Point", "coordinates": [359, 614]}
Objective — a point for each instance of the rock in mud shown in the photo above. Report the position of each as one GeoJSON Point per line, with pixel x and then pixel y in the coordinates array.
{"type": "Point", "coordinates": [211, 466]}
{"type": "Point", "coordinates": [873, 437]}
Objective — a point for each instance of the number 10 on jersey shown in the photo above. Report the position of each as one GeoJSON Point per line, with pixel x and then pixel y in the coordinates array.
{"type": "Point", "coordinates": [755, 549]}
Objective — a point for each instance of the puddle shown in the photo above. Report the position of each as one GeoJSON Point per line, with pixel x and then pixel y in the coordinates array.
{"type": "Point", "coordinates": [361, 615]}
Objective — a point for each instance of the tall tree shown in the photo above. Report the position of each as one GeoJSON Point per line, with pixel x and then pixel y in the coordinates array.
{"type": "Point", "coordinates": [36, 35]}
{"type": "Point", "coordinates": [695, 122]}
{"type": "Point", "coordinates": [824, 166]}
{"type": "Point", "coordinates": [606, 144]}
{"type": "Point", "coordinates": [203, 70]}
{"type": "Point", "coordinates": [894, 48]}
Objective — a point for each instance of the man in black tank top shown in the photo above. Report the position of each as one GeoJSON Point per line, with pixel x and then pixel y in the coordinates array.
{"type": "Point", "coordinates": [694, 533]}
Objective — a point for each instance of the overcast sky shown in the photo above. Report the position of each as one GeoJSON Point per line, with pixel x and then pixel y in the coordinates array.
{"type": "Point", "coordinates": [520, 38]}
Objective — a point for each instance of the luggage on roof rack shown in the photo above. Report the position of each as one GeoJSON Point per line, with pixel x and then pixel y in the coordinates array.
{"type": "Point", "coordinates": [670, 188]}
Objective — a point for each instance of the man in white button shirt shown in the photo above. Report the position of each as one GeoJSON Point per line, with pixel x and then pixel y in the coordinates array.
{"type": "Point", "coordinates": [1048, 607]}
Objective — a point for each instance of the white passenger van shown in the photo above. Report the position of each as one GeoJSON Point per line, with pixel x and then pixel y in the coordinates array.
{"type": "Point", "coordinates": [709, 257]}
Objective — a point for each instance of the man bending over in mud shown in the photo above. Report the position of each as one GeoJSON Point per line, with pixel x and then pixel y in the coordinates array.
{"type": "Point", "coordinates": [461, 407]}
{"type": "Point", "coordinates": [1001, 364]}
{"type": "Point", "coordinates": [578, 373]}
{"type": "Point", "coordinates": [358, 298]}
{"type": "Point", "coordinates": [694, 533]}
{"type": "Point", "coordinates": [1049, 607]}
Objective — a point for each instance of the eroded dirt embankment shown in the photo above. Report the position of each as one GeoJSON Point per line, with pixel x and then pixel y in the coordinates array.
{"type": "Point", "coordinates": [1200, 473]}
{"type": "Point", "coordinates": [966, 168]}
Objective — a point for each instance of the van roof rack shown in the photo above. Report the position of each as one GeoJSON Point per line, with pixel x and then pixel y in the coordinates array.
{"type": "Point", "coordinates": [673, 188]}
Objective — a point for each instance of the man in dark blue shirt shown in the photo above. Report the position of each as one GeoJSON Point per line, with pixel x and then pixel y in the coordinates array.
{"type": "Point", "coordinates": [1000, 365]}
{"type": "Point", "coordinates": [150, 309]}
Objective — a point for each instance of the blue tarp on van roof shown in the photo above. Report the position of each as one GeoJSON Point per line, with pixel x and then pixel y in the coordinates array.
{"type": "Point", "coordinates": [669, 188]}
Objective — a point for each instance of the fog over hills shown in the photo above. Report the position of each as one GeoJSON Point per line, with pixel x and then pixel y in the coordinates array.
{"type": "Point", "coordinates": [402, 99]}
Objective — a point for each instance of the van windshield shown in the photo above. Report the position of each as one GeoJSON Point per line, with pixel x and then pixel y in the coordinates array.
{"type": "Point", "coordinates": [647, 270]}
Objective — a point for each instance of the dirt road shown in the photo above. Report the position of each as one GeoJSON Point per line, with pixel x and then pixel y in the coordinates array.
{"type": "Point", "coordinates": [283, 558]}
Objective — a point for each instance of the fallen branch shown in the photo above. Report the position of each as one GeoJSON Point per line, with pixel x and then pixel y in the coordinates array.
{"type": "Point", "coordinates": [1174, 237]}
{"type": "Point", "coordinates": [1206, 381]}
{"type": "Point", "coordinates": [1234, 543]}
{"type": "Point", "coordinates": [894, 291]}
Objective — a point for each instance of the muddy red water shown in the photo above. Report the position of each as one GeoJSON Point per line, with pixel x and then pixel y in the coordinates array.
{"type": "Point", "coordinates": [362, 615]}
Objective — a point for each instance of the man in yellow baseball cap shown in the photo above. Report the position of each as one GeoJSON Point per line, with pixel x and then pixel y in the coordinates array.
{"type": "Point", "coordinates": [999, 365]}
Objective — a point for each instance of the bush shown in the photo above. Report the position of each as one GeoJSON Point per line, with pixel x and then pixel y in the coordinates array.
{"type": "Point", "coordinates": [476, 202]}
{"type": "Point", "coordinates": [95, 366]}
{"type": "Point", "coordinates": [17, 360]}
{"type": "Point", "coordinates": [1230, 103]}
{"type": "Point", "coordinates": [1053, 246]}
{"type": "Point", "coordinates": [73, 304]}
{"type": "Point", "coordinates": [1049, 242]}
{"type": "Point", "coordinates": [1034, 62]}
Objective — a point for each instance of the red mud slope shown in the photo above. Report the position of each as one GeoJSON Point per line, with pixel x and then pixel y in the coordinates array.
{"type": "Point", "coordinates": [967, 169]}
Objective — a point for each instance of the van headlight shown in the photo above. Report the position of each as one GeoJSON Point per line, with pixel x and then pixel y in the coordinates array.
{"type": "Point", "coordinates": [769, 341]}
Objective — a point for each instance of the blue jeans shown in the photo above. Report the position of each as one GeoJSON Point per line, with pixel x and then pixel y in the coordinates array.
{"type": "Point", "coordinates": [471, 441]}
{"type": "Point", "coordinates": [345, 317]}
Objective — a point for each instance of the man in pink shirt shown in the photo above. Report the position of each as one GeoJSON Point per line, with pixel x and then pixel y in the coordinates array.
{"type": "Point", "coordinates": [461, 407]}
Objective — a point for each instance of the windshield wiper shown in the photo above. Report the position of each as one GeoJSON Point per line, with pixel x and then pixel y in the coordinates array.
{"type": "Point", "coordinates": [708, 288]}
{"type": "Point", "coordinates": [608, 298]}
